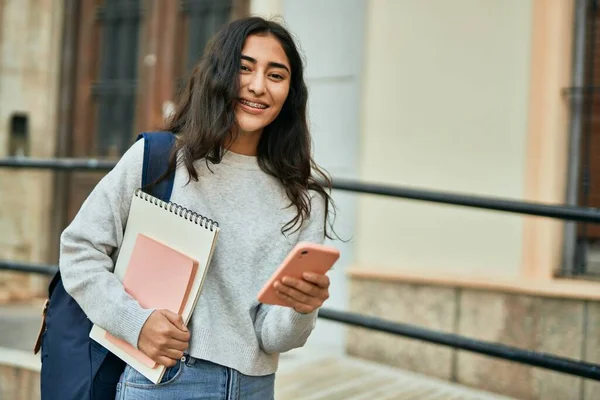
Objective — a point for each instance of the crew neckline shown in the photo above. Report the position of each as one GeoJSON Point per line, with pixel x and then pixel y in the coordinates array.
{"type": "Point", "coordinates": [240, 160]}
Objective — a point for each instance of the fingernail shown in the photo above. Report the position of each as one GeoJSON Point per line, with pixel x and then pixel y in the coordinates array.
{"type": "Point", "coordinates": [308, 275]}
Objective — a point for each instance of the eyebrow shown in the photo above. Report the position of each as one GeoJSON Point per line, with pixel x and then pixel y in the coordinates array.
{"type": "Point", "coordinates": [271, 63]}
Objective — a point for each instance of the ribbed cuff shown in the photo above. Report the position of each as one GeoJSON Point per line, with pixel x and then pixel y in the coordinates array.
{"type": "Point", "coordinates": [130, 324]}
{"type": "Point", "coordinates": [301, 319]}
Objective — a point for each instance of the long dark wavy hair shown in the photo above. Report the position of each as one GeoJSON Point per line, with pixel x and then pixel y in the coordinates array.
{"type": "Point", "coordinates": [204, 119]}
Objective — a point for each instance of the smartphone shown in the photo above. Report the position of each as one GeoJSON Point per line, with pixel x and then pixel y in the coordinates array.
{"type": "Point", "coordinates": [304, 257]}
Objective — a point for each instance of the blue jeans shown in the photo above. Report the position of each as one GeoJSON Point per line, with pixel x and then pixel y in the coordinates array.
{"type": "Point", "coordinates": [196, 379]}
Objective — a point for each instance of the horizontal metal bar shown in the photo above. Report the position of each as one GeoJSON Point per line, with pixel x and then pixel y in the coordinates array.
{"type": "Point", "coordinates": [488, 203]}
{"type": "Point", "coordinates": [74, 164]}
{"type": "Point", "coordinates": [571, 89]}
{"type": "Point", "coordinates": [28, 267]}
{"type": "Point", "coordinates": [528, 357]}
{"type": "Point", "coordinates": [565, 212]}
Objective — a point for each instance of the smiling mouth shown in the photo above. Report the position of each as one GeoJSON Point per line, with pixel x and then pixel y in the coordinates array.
{"type": "Point", "coordinates": [252, 104]}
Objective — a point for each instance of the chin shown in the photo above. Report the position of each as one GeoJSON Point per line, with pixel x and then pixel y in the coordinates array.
{"type": "Point", "coordinates": [251, 125]}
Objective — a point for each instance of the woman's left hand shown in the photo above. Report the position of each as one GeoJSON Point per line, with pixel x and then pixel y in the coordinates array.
{"type": "Point", "coordinates": [304, 295]}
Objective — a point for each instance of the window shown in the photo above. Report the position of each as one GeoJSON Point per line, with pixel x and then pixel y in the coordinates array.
{"type": "Point", "coordinates": [582, 243]}
{"type": "Point", "coordinates": [201, 19]}
{"type": "Point", "coordinates": [130, 57]}
{"type": "Point", "coordinates": [114, 91]}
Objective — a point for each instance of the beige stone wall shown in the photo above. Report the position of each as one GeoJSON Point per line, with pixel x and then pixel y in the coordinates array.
{"type": "Point", "coordinates": [19, 383]}
{"type": "Point", "coordinates": [30, 35]}
{"type": "Point", "coordinates": [568, 328]}
{"type": "Point", "coordinates": [445, 107]}
{"type": "Point", "coordinates": [592, 347]}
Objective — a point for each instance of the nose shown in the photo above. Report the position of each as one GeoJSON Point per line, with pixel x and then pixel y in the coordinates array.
{"type": "Point", "coordinates": [257, 85]}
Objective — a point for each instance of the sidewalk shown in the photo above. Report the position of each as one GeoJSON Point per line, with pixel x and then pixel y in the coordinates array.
{"type": "Point", "coordinates": [312, 374]}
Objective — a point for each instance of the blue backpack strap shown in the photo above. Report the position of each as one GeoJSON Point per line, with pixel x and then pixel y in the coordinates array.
{"type": "Point", "coordinates": [157, 152]}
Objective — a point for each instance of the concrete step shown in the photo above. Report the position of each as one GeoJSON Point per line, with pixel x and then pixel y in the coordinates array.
{"type": "Point", "coordinates": [20, 324]}
{"type": "Point", "coordinates": [19, 375]}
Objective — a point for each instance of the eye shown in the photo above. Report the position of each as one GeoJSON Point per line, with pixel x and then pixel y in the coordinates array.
{"type": "Point", "coordinates": [277, 76]}
{"type": "Point", "coordinates": [244, 68]}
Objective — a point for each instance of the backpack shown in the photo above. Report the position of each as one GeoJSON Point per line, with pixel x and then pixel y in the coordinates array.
{"type": "Point", "coordinates": [75, 367]}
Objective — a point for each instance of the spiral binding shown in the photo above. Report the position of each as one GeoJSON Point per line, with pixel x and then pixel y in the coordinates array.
{"type": "Point", "coordinates": [179, 210]}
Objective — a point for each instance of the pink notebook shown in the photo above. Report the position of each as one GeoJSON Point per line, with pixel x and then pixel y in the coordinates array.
{"type": "Point", "coordinates": [158, 277]}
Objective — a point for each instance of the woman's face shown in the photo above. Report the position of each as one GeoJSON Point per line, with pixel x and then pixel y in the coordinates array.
{"type": "Point", "coordinates": [264, 83]}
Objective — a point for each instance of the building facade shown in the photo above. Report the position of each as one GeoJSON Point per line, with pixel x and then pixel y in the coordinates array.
{"type": "Point", "coordinates": [471, 97]}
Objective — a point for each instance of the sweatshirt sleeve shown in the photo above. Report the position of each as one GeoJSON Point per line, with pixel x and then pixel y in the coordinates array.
{"type": "Point", "coordinates": [87, 244]}
{"type": "Point", "coordinates": [280, 329]}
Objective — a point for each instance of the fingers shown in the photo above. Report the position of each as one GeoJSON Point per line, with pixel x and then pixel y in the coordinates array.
{"type": "Point", "coordinates": [304, 295]}
{"type": "Point", "coordinates": [175, 328]}
{"type": "Point", "coordinates": [162, 338]}
{"type": "Point", "coordinates": [176, 344]}
{"type": "Point", "coordinates": [175, 319]}
{"type": "Point", "coordinates": [169, 348]}
{"type": "Point", "coordinates": [295, 294]}
{"type": "Point", "coordinates": [166, 361]}
{"type": "Point", "coordinates": [302, 290]}
{"type": "Point", "coordinates": [169, 336]}
{"type": "Point", "coordinates": [178, 335]}
{"type": "Point", "coordinates": [164, 356]}
{"type": "Point", "coordinates": [173, 354]}
{"type": "Point", "coordinates": [321, 281]}
{"type": "Point", "coordinates": [296, 305]}
{"type": "Point", "coordinates": [303, 286]}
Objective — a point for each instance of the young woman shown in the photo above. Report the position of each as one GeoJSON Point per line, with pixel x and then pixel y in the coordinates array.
{"type": "Point", "coordinates": [242, 158]}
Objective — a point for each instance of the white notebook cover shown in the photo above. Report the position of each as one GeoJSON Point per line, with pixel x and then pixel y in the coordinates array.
{"type": "Point", "coordinates": [165, 223]}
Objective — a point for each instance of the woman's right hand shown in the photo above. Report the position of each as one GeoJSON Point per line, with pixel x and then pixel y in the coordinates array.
{"type": "Point", "coordinates": [164, 337]}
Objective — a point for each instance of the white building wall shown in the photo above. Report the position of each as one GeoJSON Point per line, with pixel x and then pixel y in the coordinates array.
{"type": "Point", "coordinates": [445, 108]}
{"type": "Point", "coordinates": [330, 34]}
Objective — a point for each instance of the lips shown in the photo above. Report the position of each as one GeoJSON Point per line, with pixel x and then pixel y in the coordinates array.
{"type": "Point", "coordinates": [252, 104]}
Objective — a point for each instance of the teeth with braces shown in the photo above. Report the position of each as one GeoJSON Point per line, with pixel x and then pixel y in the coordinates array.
{"type": "Point", "coordinates": [254, 105]}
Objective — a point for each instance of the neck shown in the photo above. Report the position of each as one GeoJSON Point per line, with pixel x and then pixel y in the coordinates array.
{"type": "Point", "coordinates": [245, 143]}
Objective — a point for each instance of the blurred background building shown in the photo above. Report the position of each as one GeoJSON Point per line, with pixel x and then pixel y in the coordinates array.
{"type": "Point", "coordinates": [480, 97]}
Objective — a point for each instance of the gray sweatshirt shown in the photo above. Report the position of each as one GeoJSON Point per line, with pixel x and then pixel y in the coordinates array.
{"type": "Point", "coordinates": [228, 326]}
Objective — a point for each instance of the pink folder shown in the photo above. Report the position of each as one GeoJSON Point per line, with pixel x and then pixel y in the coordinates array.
{"type": "Point", "coordinates": [159, 277]}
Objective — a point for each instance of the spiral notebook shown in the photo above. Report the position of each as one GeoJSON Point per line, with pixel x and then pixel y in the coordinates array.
{"type": "Point", "coordinates": [158, 277]}
{"type": "Point", "coordinates": [180, 230]}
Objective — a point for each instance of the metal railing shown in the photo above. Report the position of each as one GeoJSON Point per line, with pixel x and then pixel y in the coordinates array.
{"type": "Point", "coordinates": [497, 350]}
{"type": "Point", "coordinates": [559, 211]}
{"type": "Point", "coordinates": [514, 354]}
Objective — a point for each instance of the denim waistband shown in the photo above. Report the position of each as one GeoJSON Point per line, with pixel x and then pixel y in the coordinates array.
{"type": "Point", "coordinates": [189, 360]}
